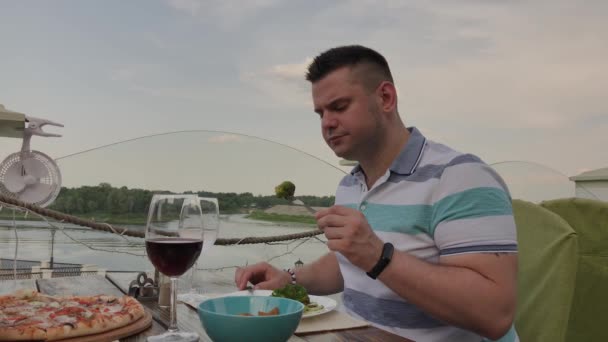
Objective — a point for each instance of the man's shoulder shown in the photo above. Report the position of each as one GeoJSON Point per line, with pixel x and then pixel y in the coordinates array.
{"type": "Point", "coordinates": [437, 158]}
{"type": "Point", "coordinates": [441, 154]}
{"type": "Point", "coordinates": [443, 162]}
{"type": "Point", "coordinates": [459, 170]}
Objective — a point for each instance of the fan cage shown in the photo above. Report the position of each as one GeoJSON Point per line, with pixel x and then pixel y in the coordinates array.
{"type": "Point", "coordinates": [52, 177]}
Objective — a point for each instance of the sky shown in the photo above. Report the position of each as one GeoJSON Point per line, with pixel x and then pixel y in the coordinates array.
{"type": "Point", "coordinates": [505, 80]}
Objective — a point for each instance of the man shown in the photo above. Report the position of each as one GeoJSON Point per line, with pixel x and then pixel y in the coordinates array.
{"type": "Point", "coordinates": [422, 238]}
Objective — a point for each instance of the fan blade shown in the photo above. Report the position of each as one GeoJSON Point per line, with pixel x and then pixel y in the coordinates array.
{"type": "Point", "coordinates": [35, 167]}
{"type": "Point", "coordinates": [13, 180]}
{"type": "Point", "coordinates": [36, 193]}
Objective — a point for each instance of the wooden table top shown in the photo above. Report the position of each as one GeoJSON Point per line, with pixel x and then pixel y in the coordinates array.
{"type": "Point", "coordinates": [117, 284]}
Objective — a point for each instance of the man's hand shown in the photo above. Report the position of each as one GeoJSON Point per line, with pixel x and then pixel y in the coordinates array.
{"type": "Point", "coordinates": [263, 275]}
{"type": "Point", "coordinates": [349, 233]}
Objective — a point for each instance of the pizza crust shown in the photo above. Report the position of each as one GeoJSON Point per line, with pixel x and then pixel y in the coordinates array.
{"type": "Point", "coordinates": [24, 334]}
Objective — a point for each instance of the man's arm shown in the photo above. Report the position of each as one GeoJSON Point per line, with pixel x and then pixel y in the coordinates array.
{"type": "Point", "coordinates": [321, 277]}
{"type": "Point", "coordinates": [473, 291]}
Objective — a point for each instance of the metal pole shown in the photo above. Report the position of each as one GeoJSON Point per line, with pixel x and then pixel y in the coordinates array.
{"type": "Point", "coordinates": [52, 245]}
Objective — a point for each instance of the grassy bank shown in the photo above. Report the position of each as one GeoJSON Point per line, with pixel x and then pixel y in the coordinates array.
{"type": "Point", "coordinates": [129, 219]}
{"type": "Point", "coordinates": [7, 214]}
{"type": "Point", "coordinates": [262, 216]}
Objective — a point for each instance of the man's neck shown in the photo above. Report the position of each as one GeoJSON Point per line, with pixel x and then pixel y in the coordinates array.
{"type": "Point", "coordinates": [386, 152]}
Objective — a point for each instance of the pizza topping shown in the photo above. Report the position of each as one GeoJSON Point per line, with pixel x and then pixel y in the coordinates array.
{"type": "Point", "coordinates": [54, 305]}
{"type": "Point", "coordinates": [113, 309]}
{"type": "Point", "coordinates": [64, 319]}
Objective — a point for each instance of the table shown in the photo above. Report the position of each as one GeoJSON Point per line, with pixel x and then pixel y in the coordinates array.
{"type": "Point", "coordinates": [117, 284]}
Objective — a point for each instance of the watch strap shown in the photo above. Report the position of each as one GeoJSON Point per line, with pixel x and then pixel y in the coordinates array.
{"type": "Point", "coordinates": [385, 259]}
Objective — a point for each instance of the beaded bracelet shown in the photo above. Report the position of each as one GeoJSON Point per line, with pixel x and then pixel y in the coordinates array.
{"type": "Point", "coordinates": [292, 273]}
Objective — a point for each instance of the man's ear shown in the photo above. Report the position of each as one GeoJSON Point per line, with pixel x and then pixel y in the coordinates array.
{"type": "Point", "coordinates": [387, 93]}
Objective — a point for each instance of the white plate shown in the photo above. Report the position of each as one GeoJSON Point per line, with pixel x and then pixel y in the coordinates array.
{"type": "Point", "coordinates": [328, 303]}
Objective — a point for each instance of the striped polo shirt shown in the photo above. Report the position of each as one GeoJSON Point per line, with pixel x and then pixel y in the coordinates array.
{"type": "Point", "coordinates": [432, 201]}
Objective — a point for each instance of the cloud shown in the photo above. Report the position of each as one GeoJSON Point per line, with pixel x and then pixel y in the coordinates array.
{"type": "Point", "coordinates": [122, 74]}
{"type": "Point", "coordinates": [191, 6]}
{"type": "Point", "coordinates": [156, 41]}
{"type": "Point", "coordinates": [284, 84]}
{"type": "Point", "coordinates": [290, 72]}
{"type": "Point", "coordinates": [227, 14]}
{"type": "Point", "coordinates": [226, 138]}
{"type": "Point", "coordinates": [535, 66]}
{"type": "Point", "coordinates": [160, 81]}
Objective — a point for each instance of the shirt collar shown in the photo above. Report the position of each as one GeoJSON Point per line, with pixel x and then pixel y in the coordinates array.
{"type": "Point", "coordinates": [409, 157]}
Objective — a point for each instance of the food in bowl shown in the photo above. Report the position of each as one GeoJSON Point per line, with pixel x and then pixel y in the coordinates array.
{"type": "Point", "coordinates": [221, 320]}
{"type": "Point", "coordinates": [274, 311]}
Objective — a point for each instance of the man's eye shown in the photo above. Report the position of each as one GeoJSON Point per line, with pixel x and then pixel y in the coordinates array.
{"type": "Point", "coordinates": [340, 107]}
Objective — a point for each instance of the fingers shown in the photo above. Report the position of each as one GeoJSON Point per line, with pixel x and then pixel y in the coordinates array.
{"type": "Point", "coordinates": [238, 278]}
{"type": "Point", "coordinates": [331, 221]}
{"type": "Point", "coordinates": [262, 275]}
{"type": "Point", "coordinates": [271, 284]}
{"type": "Point", "coordinates": [237, 275]}
{"type": "Point", "coordinates": [321, 213]}
{"type": "Point", "coordinates": [338, 222]}
{"type": "Point", "coordinates": [343, 211]}
{"type": "Point", "coordinates": [336, 210]}
{"type": "Point", "coordinates": [336, 245]}
{"type": "Point", "coordinates": [332, 226]}
{"type": "Point", "coordinates": [245, 274]}
{"type": "Point", "coordinates": [332, 233]}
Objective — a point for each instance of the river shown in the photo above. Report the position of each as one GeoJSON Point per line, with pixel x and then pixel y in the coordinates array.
{"type": "Point", "coordinates": [113, 252]}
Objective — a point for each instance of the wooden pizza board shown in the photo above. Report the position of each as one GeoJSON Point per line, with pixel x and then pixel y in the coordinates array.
{"type": "Point", "coordinates": [122, 332]}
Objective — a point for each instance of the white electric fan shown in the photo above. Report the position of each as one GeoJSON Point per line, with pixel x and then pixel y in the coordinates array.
{"type": "Point", "coordinates": [31, 176]}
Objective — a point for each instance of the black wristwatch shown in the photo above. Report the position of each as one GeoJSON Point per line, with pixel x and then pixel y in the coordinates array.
{"type": "Point", "coordinates": [385, 258]}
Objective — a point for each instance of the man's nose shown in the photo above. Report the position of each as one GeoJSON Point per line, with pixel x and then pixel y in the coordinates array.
{"type": "Point", "coordinates": [329, 121]}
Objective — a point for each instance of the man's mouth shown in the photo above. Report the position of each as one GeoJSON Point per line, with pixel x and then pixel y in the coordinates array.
{"type": "Point", "coordinates": [333, 139]}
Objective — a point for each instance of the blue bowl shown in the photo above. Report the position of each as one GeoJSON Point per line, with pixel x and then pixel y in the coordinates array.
{"type": "Point", "coordinates": [223, 322]}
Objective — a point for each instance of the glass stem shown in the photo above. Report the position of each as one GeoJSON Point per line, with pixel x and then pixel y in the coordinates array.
{"type": "Point", "coordinates": [173, 325]}
{"type": "Point", "coordinates": [192, 288]}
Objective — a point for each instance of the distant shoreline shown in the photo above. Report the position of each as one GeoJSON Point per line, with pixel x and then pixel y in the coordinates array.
{"type": "Point", "coordinates": [273, 217]}
{"type": "Point", "coordinates": [277, 213]}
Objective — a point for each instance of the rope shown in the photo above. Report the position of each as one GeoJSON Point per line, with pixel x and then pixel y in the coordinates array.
{"type": "Point", "coordinates": [62, 217]}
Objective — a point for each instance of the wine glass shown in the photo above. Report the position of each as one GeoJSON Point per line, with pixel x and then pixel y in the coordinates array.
{"type": "Point", "coordinates": [211, 226]}
{"type": "Point", "coordinates": [174, 240]}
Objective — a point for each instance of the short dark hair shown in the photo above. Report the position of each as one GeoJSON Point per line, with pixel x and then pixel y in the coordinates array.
{"type": "Point", "coordinates": [350, 56]}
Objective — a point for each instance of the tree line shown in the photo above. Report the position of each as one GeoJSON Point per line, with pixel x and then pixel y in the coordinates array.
{"type": "Point", "coordinates": [122, 200]}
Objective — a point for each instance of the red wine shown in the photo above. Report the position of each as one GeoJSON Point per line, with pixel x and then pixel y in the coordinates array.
{"type": "Point", "coordinates": [173, 257]}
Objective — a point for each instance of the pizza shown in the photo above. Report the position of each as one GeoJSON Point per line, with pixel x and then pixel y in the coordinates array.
{"type": "Point", "coordinates": [30, 315]}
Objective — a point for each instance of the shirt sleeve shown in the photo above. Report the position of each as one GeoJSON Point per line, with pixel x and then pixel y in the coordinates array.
{"type": "Point", "coordinates": [472, 211]}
